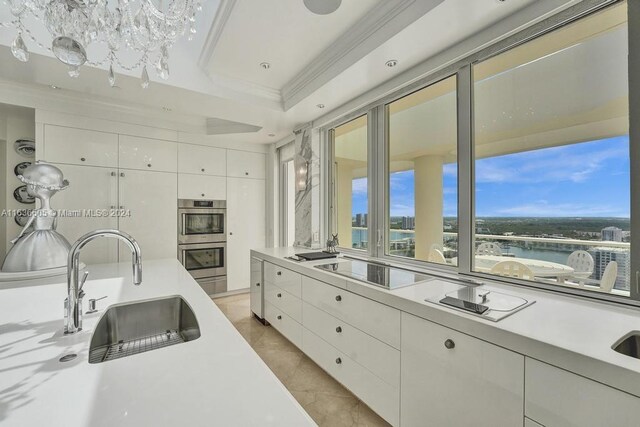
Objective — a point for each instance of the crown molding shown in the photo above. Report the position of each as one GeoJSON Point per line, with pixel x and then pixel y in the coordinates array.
{"type": "Point", "coordinates": [371, 31]}
{"type": "Point", "coordinates": [215, 32]}
{"type": "Point", "coordinates": [249, 91]}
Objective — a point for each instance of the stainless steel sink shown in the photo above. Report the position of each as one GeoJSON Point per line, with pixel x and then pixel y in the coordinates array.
{"type": "Point", "coordinates": [128, 329]}
{"type": "Point", "coordinates": [629, 345]}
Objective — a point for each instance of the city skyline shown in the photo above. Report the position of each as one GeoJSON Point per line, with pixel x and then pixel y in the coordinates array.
{"type": "Point", "coordinates": [589, 179]}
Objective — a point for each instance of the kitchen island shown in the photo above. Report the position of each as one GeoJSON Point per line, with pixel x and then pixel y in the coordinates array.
{"type": "Point", "coordinates": [216, 379]}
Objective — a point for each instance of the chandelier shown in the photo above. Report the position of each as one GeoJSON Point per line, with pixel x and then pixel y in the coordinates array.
{"type": "Point", "coordinates": [148, 28]}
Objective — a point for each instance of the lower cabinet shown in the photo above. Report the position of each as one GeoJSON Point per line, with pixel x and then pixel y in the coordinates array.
{"type": "Point", "coordinates": [452, 379]}
{"type": "Point", "coordinates": [284, 323]}
{"type": "Point", "coordinates": [383, 398]}
{"type": "Point", "coordinates": [558, 398]}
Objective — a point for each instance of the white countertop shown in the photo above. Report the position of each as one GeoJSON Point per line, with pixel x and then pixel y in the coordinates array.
{"type": "Point", "coordinates": [216, 379]}
{"type": "Point", "coordinates": [569, 332]}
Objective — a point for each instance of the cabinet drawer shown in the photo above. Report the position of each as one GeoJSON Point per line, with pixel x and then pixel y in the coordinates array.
{"type": "Point", "coordinates": [80, 146]}
{"type": "Point", "coordinates": [381, 359]}
{"type": "Point", "coordinates": [200, 160]}
{"type": "Point", "coordinates": [283, 323]}
{"type": "Point", "coordinates": [283, 300]}
{"type": "Point", "coordinates": [243, 164]}
{"type": "Point", "coordinates": [378, 320]}
{"type": "Point", "coordinates": [380, 396]}
{"type": "Point", "coordinates": [288, 280]}
{"type": "Point", "coordinates": [147, 154]}
{"type": "Point", "coordinates": [555, 397]}
{"type": "Point", "coordinates": [201, 187]}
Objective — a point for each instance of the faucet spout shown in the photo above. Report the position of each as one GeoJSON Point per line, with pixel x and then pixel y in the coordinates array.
{"type": "Point", "coordinates": [73, 303]}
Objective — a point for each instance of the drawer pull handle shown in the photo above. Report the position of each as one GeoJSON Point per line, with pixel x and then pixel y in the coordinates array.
{"type": "Point", "coordinates": [338, 329]}
{"type": "Point", "coordinates": [202, 169]}
{"type": "Point", "coordinates": [338, 298]}
{"type": "Point", "coordinates": [148, 165]}
{"type": "Point", "coordinates": [449, 344]}
{"type": "Point", "coordinates": [279, 295]}
{"type": "Point", "coordinates": [258, 284]}
{"type": "Point", "coordinates": [122, 174]}
{"type": "Point", "coordinates": [246, 173]}
{"type": "Point", "coordinates": [202, 194]}
{"type": "Point", "coordinates": [338, 361]}
{"type": "Point", "coordinates": [279, 317]}
{"type": "Point", "coordinates": [279, 273]}
{"type": "Point", "coordinates": [82, 159]}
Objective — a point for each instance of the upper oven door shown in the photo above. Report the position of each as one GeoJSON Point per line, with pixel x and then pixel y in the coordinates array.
{"type": "Point", "coordinates": [202, 225]}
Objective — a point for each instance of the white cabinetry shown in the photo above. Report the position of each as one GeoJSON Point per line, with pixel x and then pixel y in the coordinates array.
{"type": "Point", "coordinates": [558, 398]}
{"type": "Point", "coordinates": [80, 147]}
{"type": "Point", "coordinates": [200, 160]}
{"type": "Point", "coordinates": [147, 154]}
{"type": "Point", "coordinates": [245, 227]}
{"type": "Point", "coordinates": [200, 187]}
{"type": "Point", "coordinates": [243, 164]}
{"type": "Point", "coordinates": [150, 198]}
{"type": "Point", "coordinates": [91, 191]}
{"type": "Point", "coordinates": [452, 379]}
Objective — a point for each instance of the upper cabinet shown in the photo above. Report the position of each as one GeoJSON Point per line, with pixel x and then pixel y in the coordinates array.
{"type": "Point", "coordinates": [197, 159]}
{"type": "Point", "coordinates": [202, 187]}
{"type": "Point", "coordinates": [80, 146]}
{"type": "Point", "coordinates": [243, 164]}
{"type": "Point", "coordinates": [147, 154]}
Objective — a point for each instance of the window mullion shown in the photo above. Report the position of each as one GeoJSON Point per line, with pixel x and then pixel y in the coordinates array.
{"type": "Point", "coordinates": [465, 171]}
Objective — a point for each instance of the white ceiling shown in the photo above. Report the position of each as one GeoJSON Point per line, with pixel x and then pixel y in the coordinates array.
{"type": "Point", "coordinates": [314, 59]}
{"type": "Point", "coordinates": [283, 33]}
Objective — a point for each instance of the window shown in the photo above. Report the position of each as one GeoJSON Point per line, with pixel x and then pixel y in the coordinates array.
{"type": "Point", "coordinates": [552, 165]}
{"type": "Point", "coordinates": [350, 184]}
{"type": "Point", "coordinates": [423, 177]}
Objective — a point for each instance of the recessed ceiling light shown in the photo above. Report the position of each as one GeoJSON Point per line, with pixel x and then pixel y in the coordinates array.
{"type": "Point", "coordinates": [391, 63]}
{"type": "Point", "coordinates": [320, 105]}
{"type": "Point", "coordinates": [272, 135]}
{"type": "Point", "coordinates": [54, 87]}
{"type": "Point", "coordinates": [167, 109]}
{"type": "Point", "coordinates": [265, 65]}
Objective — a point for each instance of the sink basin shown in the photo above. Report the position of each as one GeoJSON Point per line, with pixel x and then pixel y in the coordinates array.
{"type": "Point", "coordinates": [128, 329]}
{"type": "Point", "coordinates": [629, 345]}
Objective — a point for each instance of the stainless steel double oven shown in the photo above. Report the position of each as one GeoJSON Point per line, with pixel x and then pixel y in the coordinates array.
{"type": "Point", "coordinates": [202, 242]}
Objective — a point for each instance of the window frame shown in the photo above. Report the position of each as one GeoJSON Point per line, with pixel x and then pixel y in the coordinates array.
{"type": "Point", "coordinates": [378, 146]}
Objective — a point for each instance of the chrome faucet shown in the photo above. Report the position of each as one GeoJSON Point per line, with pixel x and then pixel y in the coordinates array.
{"type": "Point", "coordinates": [73, 303]}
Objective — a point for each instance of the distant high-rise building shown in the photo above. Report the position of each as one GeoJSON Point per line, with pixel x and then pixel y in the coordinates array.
{"type": "Point", "coordinates": [359, 220]}
{"type": "Point", "coordinates": [602, 256]}
{"type": "Point", "coordinates": [366, 220]}
{"type": "Point", "coordinates": [408, 223]}
{"type": "Point", "coordinates": [611, 234]}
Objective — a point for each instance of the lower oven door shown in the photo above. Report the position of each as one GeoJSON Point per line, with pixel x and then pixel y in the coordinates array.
{"type": "Point", "coordinates": [204, 259]}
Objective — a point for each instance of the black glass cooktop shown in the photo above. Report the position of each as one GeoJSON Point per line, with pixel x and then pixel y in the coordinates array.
{"type": "Point", "coordinates": [375, 274]}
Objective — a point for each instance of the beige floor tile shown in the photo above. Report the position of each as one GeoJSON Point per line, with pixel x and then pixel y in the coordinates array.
{"type": "Point", "coordinates": [325, 399]}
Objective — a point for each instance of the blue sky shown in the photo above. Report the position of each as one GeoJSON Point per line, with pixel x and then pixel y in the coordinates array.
{"type": "Point", "coordinates": [589, 179]}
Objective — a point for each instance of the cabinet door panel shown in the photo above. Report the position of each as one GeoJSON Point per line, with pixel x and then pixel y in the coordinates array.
{"type": "Point", "coordinates": [94, 190]}
{"type": "Point", "coordinates": [147, 154]}
{"type": "Point", "coordinates": [199, 187]}
{"type": "Point", "coordinates": [245, 227]}
{"type": "Point", "coordinates": [80, 146]}
{"type": "Point", "coordinates": [557, 398]}
{"type": "Point", "coordinates": [472, 383]}
{"type": "Point", "coordinates": [243, 164]}
{"type": "Point", "coordinates": [151, 199]}
{"type": "Point", "coordinates": [200, 160]}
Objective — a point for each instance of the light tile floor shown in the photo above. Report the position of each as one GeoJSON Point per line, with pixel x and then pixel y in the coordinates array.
{"type": "Point", "coordinates": [326, 401]}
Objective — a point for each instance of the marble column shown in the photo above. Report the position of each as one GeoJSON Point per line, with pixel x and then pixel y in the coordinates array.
{"type": "Point", "coordinates": [307, 170]}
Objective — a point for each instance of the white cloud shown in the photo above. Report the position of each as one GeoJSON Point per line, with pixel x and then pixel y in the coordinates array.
{"type": "Point", "coordinates": [545, 209]}
{"type": "Point", "coordinates": [359, 186]}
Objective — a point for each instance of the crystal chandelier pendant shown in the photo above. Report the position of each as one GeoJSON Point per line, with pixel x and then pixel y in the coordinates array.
{"type": "Point", "coordinates": [19, 49]}
{"type": "Point", "coordinates": [112, 76]}
{"type": "Point", "coordinates": [144, 78]}
{"type": "Point", "coordinates": [163, 63]}
{"type": "Point", "coordinates": [69, 51]}
{"type": "Point", "coordinates": [73, 71]}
